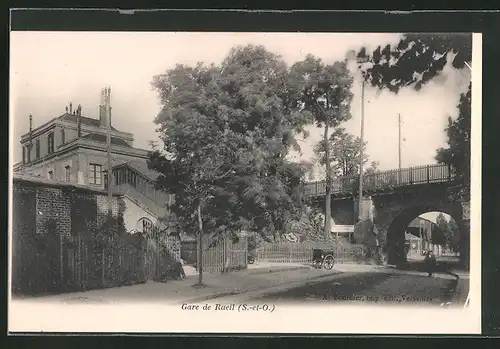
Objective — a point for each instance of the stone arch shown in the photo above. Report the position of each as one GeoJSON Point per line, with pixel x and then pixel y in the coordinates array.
{"type": "Point", "coordinates": [395, 239]}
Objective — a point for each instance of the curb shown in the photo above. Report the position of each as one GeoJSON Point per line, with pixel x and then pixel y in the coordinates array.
{"type": "Point", "coordinates": [238, 292]}
{"type": "Point", "coordinates": [248, 296]}
{"type": "Point", "coordinates": [266, 270]}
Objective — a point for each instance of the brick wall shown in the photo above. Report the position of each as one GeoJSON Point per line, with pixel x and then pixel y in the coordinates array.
{"type": "Point", "coordinates": [53, 204]}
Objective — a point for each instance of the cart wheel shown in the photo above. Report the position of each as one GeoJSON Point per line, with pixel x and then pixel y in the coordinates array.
{"type": "Point", "coordinates": [328, 262]}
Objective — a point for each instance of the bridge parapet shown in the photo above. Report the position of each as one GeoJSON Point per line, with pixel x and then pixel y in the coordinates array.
{"type": "Point", "coordinates": [384, 180]}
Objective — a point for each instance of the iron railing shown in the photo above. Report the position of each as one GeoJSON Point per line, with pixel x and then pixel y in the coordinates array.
{"type": "Point", "coordinates": [384, 180]}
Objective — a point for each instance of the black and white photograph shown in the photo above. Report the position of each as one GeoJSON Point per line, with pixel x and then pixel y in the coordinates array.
{"type": "Point", "coordinates": [245, 182]}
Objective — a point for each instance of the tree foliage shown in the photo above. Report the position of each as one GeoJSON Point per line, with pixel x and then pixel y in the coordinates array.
{"type": "Point", "coordinates": [449, 233]}
{"type": "Point", "coordinates": [415, 60]}
{"type": "Point", "coordinates": [324, 91]}
{"type": "Point", "coordinates": [310, 225]}
{"type": "Point", "coordinates": [344, 153]}
{"type": "Point", "coordinates": [226, 131]}
{"type": "Point", "coordinates": [373, 168]}
{"type": "Point", "coordinates": [457, 154]}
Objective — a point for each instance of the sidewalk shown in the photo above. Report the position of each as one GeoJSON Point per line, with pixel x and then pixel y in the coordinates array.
{"type": "Point", "coordinates": [259, 276]}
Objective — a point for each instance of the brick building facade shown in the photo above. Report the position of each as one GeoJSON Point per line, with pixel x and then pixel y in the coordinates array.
{"type": "Point", "coordinates": [54, 202]}
{"type": "Point", "coordinates": [53, 249]}
{"type": "Point", "coordinates": [72, 148]}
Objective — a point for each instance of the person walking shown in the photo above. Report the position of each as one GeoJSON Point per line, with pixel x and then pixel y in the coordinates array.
{"type": "Point", "coordinates": [430, 262]}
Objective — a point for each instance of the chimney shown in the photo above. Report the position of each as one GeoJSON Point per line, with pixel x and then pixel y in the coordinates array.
{"type": "Point", "coordinates": [102, 113]}
{"type": "Point", "coordinates": [79, 121]}
{"type": "Point", "coordinates": [105, 107]}
{"type": "Point", "coordinates": [79, 126]}
{"type": "Point", "coordinates": [108, 106]}
{"type": "Point", "coordinates": [70, 107]}
{"type": "Point", "coordinates": [31, 130]}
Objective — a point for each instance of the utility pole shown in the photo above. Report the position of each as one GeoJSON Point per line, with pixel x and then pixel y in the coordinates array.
{"type": "Point", "coordinates": [110, 159]}
{"type": "Point", "coordinates": [399, 148]}
{"type": "Point", "coordinates": [421, 235]}
{"type": "Point", "coordinates": [360, 209]}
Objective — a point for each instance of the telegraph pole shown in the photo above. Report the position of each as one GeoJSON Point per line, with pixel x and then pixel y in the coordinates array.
{"type": "Point", "coordinates": [399, 148]}
{"type": "Point", "coordinates": [399, 143]}
{"type": "Point", "coordinates": [360, 209]}
{"type": "Point", "coordinates": [107, 110]}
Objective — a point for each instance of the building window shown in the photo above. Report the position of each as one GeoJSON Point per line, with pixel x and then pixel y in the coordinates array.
{"type": "Point", "coordinates": [95, 174]}
{"type": "Point", "coordinates": [24, 155]}
{"type": "Point", "coordinates": [50, 143]}
{"type": "Point", "coordinates": [28, 154]}
{"type": "Point", "coordinates": [67, 172]}
{"type": "Point", "coordinates": [51, 175]}
{"type": "Point", "coordinates": [63, 136]}
{"type": "Point", "coordinates": [145, 226]}
{"type": "Point", "coordinates": [115, 177]}
{"type": "Point", "coordinates": [105, 177]}
{"type": "Point", "coordinates": [37, 148]}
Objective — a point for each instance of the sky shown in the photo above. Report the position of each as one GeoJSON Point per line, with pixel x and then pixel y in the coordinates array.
{"type": "Point", "coordinates": [50, 69]}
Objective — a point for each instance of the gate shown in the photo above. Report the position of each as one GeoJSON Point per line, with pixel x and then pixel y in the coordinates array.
{"type": "Point", "coordinates": [161, 252]}
{"type": "Point", "coordinates": [83, 214]}
{"type": "Point", "coordinates": [224, 254]}
{"type": "Point", "coordinates": [151, 256]}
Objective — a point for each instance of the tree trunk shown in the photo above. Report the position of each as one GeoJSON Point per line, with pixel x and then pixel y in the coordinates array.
{"type": "Point", "coordinates": [328, 212]}
{"type": "Point", "coordinates": [199, 247]}
{"type": "Point", "coordinates": [226, 255]}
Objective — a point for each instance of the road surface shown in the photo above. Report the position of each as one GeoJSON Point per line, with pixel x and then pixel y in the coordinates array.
{"type": "Point", "coordinates": [375, 287]}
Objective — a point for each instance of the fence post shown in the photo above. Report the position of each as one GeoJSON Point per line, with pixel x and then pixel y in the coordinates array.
{"type": "Point", "coordinates": [449, 173]}
{"type": "Point", "coordinates": [428, 174]}
{"type": "Point", "coordinates": [61, 259]}
{"type": "Point", "coordinates": [102, 267]}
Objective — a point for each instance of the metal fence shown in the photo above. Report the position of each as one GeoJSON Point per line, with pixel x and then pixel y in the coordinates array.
{"type": "Point", "coordinates": [220, 255]}
{"type": "Point", "coordinates": [386, 179]}
{"type": "Point", "coordinates": [302, 252]}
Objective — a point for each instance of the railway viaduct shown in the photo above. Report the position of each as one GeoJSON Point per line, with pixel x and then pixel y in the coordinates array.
{"type": "Point", "coordinates": [391, 200]}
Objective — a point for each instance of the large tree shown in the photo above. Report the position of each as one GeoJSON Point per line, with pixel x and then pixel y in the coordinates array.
{"type": "Point", "coordinates": [449, 233]}
{"type": "Point", "coordinates": [226, 131]}
{"type": "Point", "coordinates": [441, 236]}
{"type": "Point", "coordinates": [325, 91]}
{"type": "Point", "coordinates": [414, 60]}
{"type": "Point", "coordinates": [345, 153]}
{"type": "Point", "coordinates": [457, 154]}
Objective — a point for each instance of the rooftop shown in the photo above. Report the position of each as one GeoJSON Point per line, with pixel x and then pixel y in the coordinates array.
{"type": "Point", "coordinates": [141, 167]}
{"type": "Point", "coordinates": [85, 120]}
{"type": "Point", "coordinates": [96, 137]}
{"type": "Point", "coordinates": [41, 181]}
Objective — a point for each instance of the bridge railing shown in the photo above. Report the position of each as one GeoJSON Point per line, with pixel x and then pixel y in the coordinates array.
{"type": "Point", "coordinates": [383, 180]}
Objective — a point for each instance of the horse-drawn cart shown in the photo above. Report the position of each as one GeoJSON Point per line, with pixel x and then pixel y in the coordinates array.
{"type": "Point", "coordinates": [323, 258]}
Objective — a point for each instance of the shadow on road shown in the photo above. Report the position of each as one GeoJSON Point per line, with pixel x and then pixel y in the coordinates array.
{"type": "Point", "coordinates": [371, 288]}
